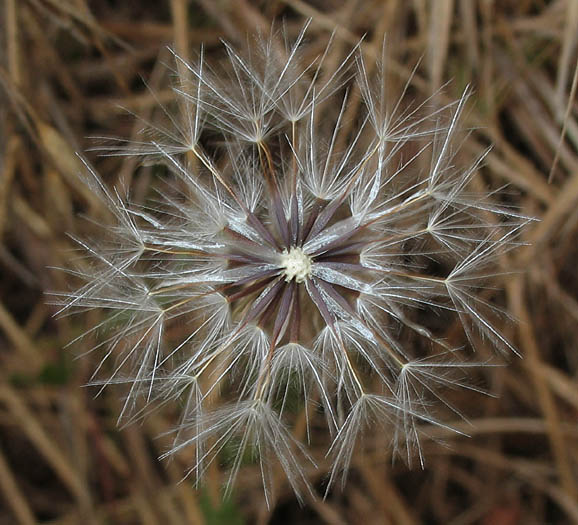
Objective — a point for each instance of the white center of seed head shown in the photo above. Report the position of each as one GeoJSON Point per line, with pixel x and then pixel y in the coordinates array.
{"type": "Point", "coordinates": [297, 264]}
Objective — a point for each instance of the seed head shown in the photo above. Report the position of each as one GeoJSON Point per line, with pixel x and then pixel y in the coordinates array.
{"type": "Point", "coordinates": [296, 262]}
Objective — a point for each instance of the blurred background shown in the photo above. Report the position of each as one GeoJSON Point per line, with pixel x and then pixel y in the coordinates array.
{"type": "Point", "coordinates": [70, 70]}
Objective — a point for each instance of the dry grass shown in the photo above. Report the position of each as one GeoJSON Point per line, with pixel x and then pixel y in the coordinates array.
{"type": "Point", "coordinates": [66, 67]}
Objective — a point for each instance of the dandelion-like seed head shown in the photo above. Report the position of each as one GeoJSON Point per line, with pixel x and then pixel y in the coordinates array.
{"type": "Point", "coordinates": [292, 259]}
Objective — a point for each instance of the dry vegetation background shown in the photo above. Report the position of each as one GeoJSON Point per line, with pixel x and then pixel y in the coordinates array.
{"type": "Point", "coordinates": [67, 66]}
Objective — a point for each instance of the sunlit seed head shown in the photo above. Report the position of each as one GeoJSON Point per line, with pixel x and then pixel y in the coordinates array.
{"type": "Point", "coordinates": [205, 301]}
{"type": "Point", "coordinates": [297, 264]}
